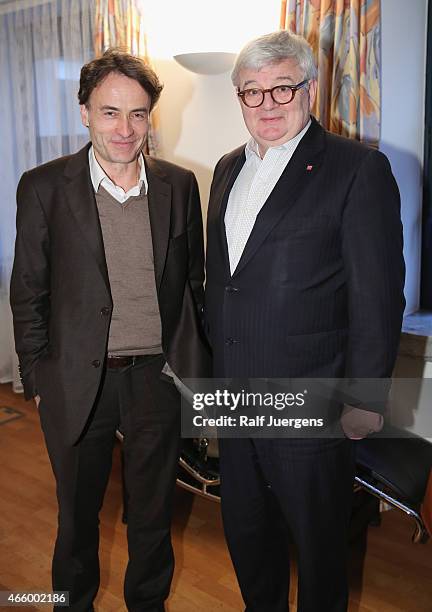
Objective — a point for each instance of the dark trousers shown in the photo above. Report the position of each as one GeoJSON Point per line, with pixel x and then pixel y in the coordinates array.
{"type": "Point", "coordinates": [304, 487]}
{"type": "Point", "coordinates": [147, 409]}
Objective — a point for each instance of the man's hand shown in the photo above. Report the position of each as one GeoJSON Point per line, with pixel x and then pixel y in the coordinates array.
{"type": "Point", "coordinates": [358, 423]}
{"type": "Point", "coordinates": [37, 400]}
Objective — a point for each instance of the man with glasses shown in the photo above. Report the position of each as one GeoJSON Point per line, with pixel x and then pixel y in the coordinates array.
{"type": "Point", "coordinates": [305, 279]}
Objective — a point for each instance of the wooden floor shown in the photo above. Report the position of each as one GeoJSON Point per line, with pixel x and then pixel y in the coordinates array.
{"type": "Point", "coordinates": [393, 576]}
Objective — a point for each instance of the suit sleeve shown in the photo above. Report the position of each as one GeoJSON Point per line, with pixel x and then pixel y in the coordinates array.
{"type": "Point", "coordinates": [372, 250]}
{"type": "Point", "coordinates": [195, 244]}
{"type": "Point", "coordinates": [30, 283]}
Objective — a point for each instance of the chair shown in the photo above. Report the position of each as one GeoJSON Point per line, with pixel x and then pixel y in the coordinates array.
{"type": "Point", "coordinates": [394, 469]}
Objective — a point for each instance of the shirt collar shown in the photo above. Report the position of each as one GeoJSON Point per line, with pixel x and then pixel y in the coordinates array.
{"type": "Point", "coordinates": [252, 149]}
{"type": "Point", "coordinates": [97, 174]}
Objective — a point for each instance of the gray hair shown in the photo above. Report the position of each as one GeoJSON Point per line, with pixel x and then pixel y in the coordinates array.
{"type": "Point", "coordinates": [272, 48]}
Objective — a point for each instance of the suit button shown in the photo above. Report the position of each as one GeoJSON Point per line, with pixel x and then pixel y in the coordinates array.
{"type": "Point", "coordinates": [231, 289]}
{"type": "Point", "coordinates": [229, 341]}
{"type": "Point", "coordinates": [105, 311]}
{"type": "Point", "coordinates": [96, 363]}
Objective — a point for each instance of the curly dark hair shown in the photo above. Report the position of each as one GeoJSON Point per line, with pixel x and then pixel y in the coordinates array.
{"type": "Point", "coordinates": [118, 60]}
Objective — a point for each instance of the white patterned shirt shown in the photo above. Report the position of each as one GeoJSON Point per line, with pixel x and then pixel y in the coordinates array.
{"type": "Point", "coordinates": [99, 177]}
{"type": "Point", "coordinates": [254, 184]}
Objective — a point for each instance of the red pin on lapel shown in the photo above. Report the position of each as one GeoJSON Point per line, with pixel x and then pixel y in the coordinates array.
{"type": "Point", "coordinates": [309, 168]}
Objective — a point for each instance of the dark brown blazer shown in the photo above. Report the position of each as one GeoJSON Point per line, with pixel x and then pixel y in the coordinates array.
{"type": "Point", "coordinates": [60, 292]}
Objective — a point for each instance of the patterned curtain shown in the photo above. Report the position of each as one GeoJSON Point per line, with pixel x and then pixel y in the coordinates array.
{"type": "Point", "coordinates": [346, 38]}
{"type": "Point", "coordinates": [120, 23]}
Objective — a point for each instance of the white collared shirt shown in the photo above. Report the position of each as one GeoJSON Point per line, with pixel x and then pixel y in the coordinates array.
{"type": "Point", "coordinates": [99, 177]}
{"type": "Point", "coordinates": [254, 184]}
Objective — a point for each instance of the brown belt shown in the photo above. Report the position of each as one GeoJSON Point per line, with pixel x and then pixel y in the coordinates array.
{"type": "Point", "coordinates": [113, 362]}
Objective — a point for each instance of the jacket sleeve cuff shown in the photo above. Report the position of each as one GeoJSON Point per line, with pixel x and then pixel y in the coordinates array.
{"type": "Point", "coordinates": [29, 385]}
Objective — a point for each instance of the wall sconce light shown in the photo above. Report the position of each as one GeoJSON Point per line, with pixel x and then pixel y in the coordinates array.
{"type": "Point", "coordinates": [210, 62]}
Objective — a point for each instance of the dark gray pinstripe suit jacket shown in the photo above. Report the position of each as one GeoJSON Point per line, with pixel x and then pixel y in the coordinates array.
{"type": "Point", "coordinates": [318, 291]}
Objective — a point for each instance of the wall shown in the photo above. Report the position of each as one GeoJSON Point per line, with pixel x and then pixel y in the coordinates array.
{"type": "Point", "coordinates": [200, 115]}
{"type": "Point", "coordinates": [403, 93]}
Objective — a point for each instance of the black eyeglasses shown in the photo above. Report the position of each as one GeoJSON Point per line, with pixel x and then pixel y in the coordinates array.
{"type": "Point", "coordinates": [281, 94]}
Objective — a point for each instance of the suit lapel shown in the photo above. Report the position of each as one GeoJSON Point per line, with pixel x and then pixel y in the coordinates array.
{"type": "Point", "coordinates": [220, 198]}
{"type": "Point", "coordinates": [159, 203]}
{"type": "Point", "coordinates": [80, 198]}
{"type": "Point", "coordinates": [297, 176]}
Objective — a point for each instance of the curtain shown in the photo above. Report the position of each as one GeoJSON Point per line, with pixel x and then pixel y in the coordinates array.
{"type": "Point", "coordinates": [120, 23]}
{"type": "Point", "coordinates": [43, 44]}
{"type": "Point", "coordinates": [346, 38]}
